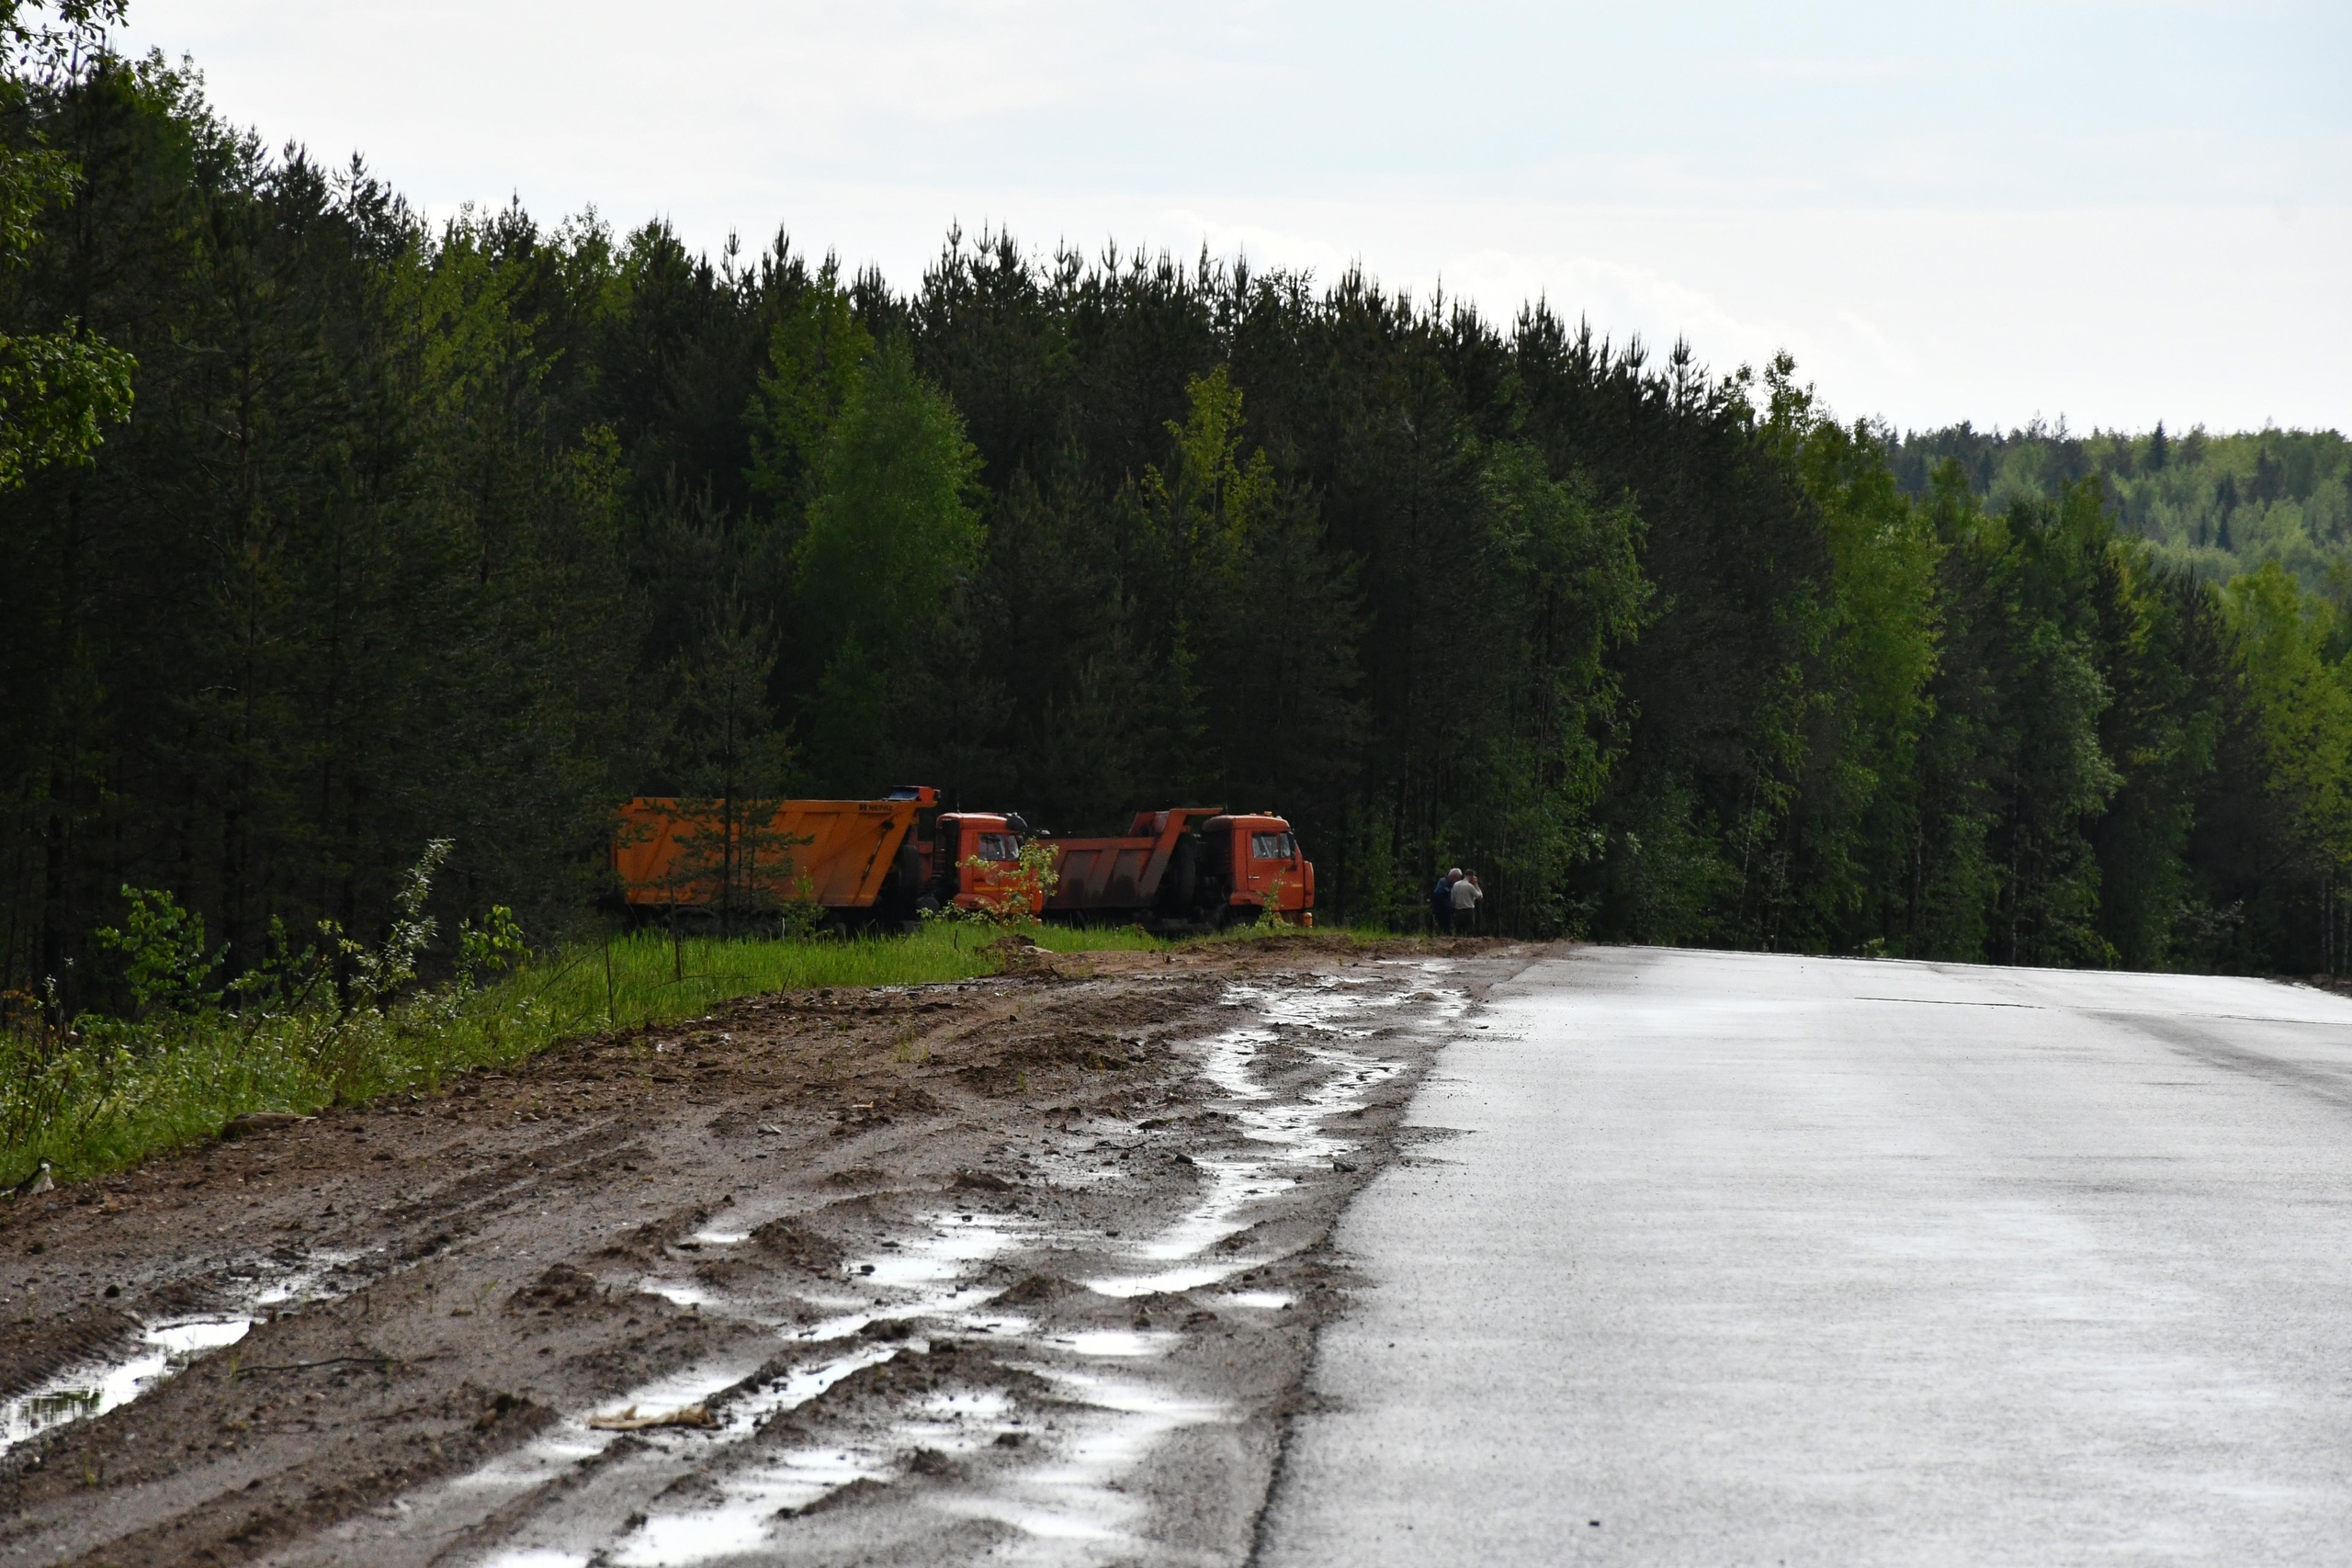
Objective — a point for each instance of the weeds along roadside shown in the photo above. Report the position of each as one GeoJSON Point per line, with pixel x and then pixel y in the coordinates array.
{"type": "Point", "coordinates": [101, 1097]}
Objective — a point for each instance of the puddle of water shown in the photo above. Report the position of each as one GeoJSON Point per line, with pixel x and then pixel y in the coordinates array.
{"type": "Point", "coordinates": [677, 1292]}
{"type": "Point", "coordinates": [953, 1246]}
{"type": "Point", "coordinates": [948, 1423]}
{"type": "Point", "coordinates": [954, 1304]}
{"type": "Point", "coordinates": [1264, 1301]}
{"type": "Point", "coordinates": [1117, 1342]}
{"type": "Point", "coordinates": [303, 1281]}
{"type": "Point", "coordinates": [742, 1524]}
{"type": "Point", "coordinates": [1072, 1501]}
{"type": "Point", "coordinates": [945, 1251]}
{"type": "Point", "coordinates": [750, 1500]}
{"type": "Point", "coordinates": [1210, 1220]}
{"type": "Point", "coordinates": [1191, 1277]}
{"type": "Point", "coordinates": [1323, 1022]}
{"type": "Point", "coordinates": [94, 1390]}
{"type": "Point", "coordinates": [1070, 1508]}
{"type": "Point", "coordinates": [570, 1440]}
{"type": "Point", "coordinates": [163, 1348]}
{"type": "Point", "coordinates": [539, 1557]}
{"type": "Point", "coordinates": [954, 1243]}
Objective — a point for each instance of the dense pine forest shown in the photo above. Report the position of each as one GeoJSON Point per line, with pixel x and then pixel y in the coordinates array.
{"type": "Point", "coordinates": [387, 531]}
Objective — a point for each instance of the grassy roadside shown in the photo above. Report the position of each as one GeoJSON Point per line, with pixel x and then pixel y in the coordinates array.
{"type": "Point", "coordinates": [92, 1107]}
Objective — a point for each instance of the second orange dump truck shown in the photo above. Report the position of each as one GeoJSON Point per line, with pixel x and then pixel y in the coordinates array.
{"type": "Point", "coordinates": [879, 862]}
{"type": "Point", "coordinates": [1189, 866]}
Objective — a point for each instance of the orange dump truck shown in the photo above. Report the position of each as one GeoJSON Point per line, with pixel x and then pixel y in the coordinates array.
{"type": "Point", "coordinates": [862, 861]}
{"type": "Point", "coordinates": [852, 857]}
{"type": "Point", "coordinates": [1189, 866]}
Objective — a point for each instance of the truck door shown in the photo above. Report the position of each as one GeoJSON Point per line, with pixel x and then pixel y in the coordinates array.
{"type": "Point", "coordinates": [998, 849]}
{"type": "Point", "coordinates": [1273, 858]}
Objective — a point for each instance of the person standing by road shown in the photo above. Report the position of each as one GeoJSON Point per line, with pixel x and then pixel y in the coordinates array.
{"type": "Point", "coordinates": [1442, 903]}
{"type": "Point", "coordinates": [1467, 897]}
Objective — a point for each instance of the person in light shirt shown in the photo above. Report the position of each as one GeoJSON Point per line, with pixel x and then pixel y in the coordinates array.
{"type": "Point", "coordinates": [1467, 895]}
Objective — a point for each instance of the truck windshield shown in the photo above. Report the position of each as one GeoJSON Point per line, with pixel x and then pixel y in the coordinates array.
{"type": "Point", "coordinates": [1273, 846]}
{"type": "Point", "coordinates": [999, 846]}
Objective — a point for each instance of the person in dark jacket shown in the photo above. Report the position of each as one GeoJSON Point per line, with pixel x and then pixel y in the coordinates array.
{"type": "Point", "coordinates": [1442, 903]}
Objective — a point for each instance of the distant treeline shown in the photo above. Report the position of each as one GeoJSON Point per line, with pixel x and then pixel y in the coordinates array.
{"type": "Point", "coordinates": [2215, 505]}
{"type": "Point", "coordinates": [471, 531]}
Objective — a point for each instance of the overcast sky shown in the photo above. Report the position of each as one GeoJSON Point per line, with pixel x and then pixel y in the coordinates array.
{"type": "Point", "coordinates": [2116, 212]}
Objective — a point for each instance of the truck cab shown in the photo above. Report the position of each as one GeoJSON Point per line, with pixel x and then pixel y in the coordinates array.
{"type": "Point", "coordinates": [1258, 859]}
{"type": "Point", "coordinates": [972, 860]}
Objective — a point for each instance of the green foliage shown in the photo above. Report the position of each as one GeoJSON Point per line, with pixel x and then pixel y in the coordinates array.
{"type": "Point", "coordinates": [1880, 643]}
{"type": "Point", "coordinates": [374, 975]}
{"type": "Point", "coordinates": [892, 526]}
{"type": "Point", "coordinates": [1242, 623]}
{"type": "Point", "coordinates": [58, 393]}
{"type": "Point", "coordinates": [490, 948]}
{"type": "Point", "coordinates": [164, 955]}
{"type": "Point", "coordinates": [729, 764]}
{"type": "Point", "coordinates": [2015, 776]}
{"type": "Point", "coordinates": [891, 530]}
{"type": "Point", "coordinates": [390, 573]}
{"type": "Point", "coordinates": [1565, 588]}
{"type": "Point", "coordinates": [58, 390]}
{"type": "Point", "coordinates": [2301, 701]}
{"type": "Point", "coordinates": [818, 351]}
{"type": "Point", "coordinates": [330, 1022]}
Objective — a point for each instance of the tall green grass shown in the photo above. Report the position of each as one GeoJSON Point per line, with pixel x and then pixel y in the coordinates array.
{"type": "Point", "coordinates": [96, 1102]}
{"type": "Point", "coordinates": [648, 978]}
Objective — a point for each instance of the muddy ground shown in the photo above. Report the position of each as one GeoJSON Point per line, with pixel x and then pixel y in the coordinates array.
{"type": "Point", "coordinates": [1019, 1269]}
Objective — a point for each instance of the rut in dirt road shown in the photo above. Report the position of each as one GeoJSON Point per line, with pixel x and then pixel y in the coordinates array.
{"type": "Point", "coordinates": [1029, 1265]}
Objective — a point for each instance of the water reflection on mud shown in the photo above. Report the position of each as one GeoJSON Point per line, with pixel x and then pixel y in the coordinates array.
{"type": "Point", "coordinates": [162, 1348]}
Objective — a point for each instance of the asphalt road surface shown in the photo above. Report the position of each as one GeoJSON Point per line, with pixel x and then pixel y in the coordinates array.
{"type": "Point", "coordinates": [1732, 1259]}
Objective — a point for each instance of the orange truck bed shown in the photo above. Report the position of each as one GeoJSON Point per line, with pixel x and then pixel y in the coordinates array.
{"type": "Point", "coordinates": [667, 857]}
{"type": "Point", "coordinates": [1127, 872]}
{"type": "Point", "coordinates": [1191, 864]}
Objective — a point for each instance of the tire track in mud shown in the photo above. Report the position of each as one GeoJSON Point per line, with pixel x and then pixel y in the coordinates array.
{"type": "Point", "coordinates": [977, 1378]}
{"type": "Point", "coordinates": [1024, 1268]}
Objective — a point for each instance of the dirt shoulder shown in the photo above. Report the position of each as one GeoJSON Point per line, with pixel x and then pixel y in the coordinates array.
{"type": "Point", "coordinates": [914, 1275]}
